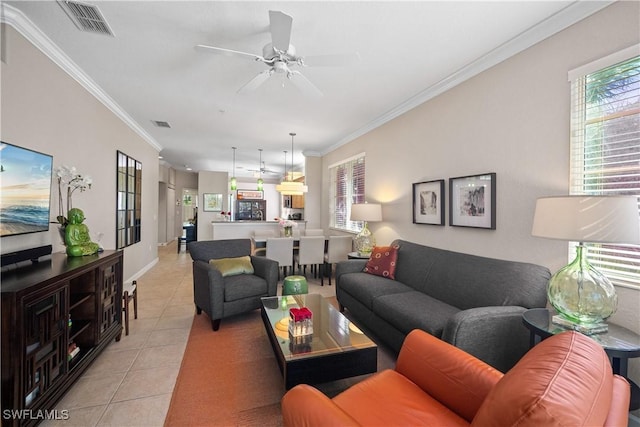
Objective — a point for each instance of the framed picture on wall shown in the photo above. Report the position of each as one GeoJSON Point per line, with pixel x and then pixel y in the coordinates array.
{"type": "Point", "coordinates": [212, 202]}
{"type": "Point", "coordinates": [250, 195]}
{"type": "Point", "coordinates": [428, 202]}
{"type": "Point", "coordinates": [472, 201]}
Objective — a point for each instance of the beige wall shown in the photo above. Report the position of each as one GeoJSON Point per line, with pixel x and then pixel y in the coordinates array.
{"type": "Point", "coordinates": [46, 110]}
{"type": "Point", "coordinates": [313, 199]}
{"type": "Point", "coordinates": [512, 119]}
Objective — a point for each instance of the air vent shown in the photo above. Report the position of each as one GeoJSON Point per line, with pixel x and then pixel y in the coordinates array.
{"type": "Point", "coordinates": [161, 124]}
{"type": "Point", "coordinates": [87, 17]}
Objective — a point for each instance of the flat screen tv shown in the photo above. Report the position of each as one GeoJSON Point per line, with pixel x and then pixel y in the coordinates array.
{"type": "Point", "coordinates": [25, 193]}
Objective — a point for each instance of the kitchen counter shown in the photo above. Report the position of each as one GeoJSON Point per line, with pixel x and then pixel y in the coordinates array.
{"type": "Point", "coordinates": [245, 229]}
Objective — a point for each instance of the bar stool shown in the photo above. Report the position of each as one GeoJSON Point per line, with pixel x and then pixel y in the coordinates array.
{"type": "Point", "coordinates": [181, 240]}
{"type": "Point", "coordinates": [129, 292]}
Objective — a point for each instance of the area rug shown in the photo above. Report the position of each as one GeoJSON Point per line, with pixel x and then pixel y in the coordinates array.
{"type": "Point", "coordinates": [231, 378]}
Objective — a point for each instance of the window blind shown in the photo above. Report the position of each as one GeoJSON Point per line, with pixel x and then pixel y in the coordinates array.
{"type": "Point", "coordinates": [605, 152]}
{"type": "Point", "coordinates": [347, 187]}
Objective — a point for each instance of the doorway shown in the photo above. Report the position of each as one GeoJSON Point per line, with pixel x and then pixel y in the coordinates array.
{"type": "Point", "coordinates": [189, 206]}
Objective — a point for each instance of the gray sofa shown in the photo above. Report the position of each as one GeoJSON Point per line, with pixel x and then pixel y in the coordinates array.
{"type": "Point", "coordinates": [472, 302]}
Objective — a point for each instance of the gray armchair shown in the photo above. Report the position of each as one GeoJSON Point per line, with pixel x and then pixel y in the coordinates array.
{"type": "Point", "coordinates": [222, 297]}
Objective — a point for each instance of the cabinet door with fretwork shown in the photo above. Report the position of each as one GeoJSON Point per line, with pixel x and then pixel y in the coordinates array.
{"type": "Point", "coordinates": [110, 300]}
{"type": "Point", "coordinates": [46, 320]}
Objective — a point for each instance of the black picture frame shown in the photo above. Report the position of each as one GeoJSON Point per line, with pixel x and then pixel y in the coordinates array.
{"type": "Point", "coordinates": [472, 201]}
{"type": "Point", "coordinates": [428, 202]}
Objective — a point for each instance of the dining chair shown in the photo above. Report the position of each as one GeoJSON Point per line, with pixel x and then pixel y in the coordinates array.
{"type": "Point", "coordinates": [310, 252]}
{"type": "Point", "coordinates": [280, 249]}
{"type": "Point", "coordinates": [259, 248]}
{"type": "Point", "coordinates": [314, 232]}
{"type": "Point", "coordinates": [338, 248]}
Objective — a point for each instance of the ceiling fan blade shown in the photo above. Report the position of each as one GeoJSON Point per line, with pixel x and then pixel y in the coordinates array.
{"type": "Point", "coordinates": [227, 52]}
{"type": "Point", "coordinates": [339, 59]}
{"type": "Point", "coordinates": [280, 24]}
{"type": "Point", "coordinates": [304, 85]}
{"type": "Point", "coordinates": [256, 81]}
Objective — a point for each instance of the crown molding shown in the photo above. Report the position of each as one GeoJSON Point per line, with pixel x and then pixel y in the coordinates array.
{"type": "Point", "coordinates": [14, 17]}
{"type": "Point", "coordinates": [574, 12]}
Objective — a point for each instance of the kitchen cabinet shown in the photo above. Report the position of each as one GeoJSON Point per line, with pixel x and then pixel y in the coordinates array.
{"type": "Point", "coordinates": [294, 202]}
{"type": "Point", "coordinates": [297, 202]}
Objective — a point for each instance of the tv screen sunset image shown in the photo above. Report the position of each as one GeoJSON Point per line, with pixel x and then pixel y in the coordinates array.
{"type": "Point", "coordinates": [25, 190]}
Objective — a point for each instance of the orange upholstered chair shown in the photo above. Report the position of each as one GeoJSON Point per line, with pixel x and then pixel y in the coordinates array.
{"type": "Point", "coordinates": [566, 380]}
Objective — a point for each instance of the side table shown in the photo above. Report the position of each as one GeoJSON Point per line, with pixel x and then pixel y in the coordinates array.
{"type": "Point", "coordinates": [356, 255]}
{"type": "Point", "coordinates": [619, 343]}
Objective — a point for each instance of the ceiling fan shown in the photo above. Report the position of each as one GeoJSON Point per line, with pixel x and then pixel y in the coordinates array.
{"type": "Point", "coordinates": [280, 56]}
{"type": "Point", "coordinates": [263, 169]}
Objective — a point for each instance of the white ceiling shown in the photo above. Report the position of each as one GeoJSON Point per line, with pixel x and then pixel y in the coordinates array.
{"type": "Point", "coordinates": [409, 52]}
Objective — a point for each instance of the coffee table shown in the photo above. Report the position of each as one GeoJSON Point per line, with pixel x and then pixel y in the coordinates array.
{"type": "Point", "coordinates": [337, 349]}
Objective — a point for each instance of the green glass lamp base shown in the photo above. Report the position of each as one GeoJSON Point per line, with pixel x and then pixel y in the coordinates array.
{"type": "Point", "coordinates": [585, 328]}
{"type": "Point", "coordinates": [581, 294]}
{"type": "Point", "coordinates": [364, 241]}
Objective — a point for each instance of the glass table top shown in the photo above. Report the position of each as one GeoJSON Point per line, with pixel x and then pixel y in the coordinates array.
{"type": "Point", "coordinates": [616, 339]}
{"type": "Point", "coordinates": [332, 331]}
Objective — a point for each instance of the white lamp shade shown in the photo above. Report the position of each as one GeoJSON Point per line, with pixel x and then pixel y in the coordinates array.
{"type": "Point", "coordinates": [594, 219]}
{"type": "Point", "coordinates": [370, 212]}
{"type": "Point", "coordinates": [292, 188]}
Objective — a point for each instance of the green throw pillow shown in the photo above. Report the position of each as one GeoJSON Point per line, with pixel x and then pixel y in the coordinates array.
{"type": "Point", "coordinates": [233, 266]}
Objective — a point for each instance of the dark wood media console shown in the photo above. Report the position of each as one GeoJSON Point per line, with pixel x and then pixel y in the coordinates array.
{"type": "Point", "coordinates": [48, 309]}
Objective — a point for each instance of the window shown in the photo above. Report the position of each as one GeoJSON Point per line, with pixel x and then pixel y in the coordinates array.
{"type": "Point", "coordinates": [605, 148]}
{"type": "Point", "coordinates": [347, 187]}
{"type": "Point", "coordinates": [129, 203]}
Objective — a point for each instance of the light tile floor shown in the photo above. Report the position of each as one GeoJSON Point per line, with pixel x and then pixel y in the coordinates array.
{"type": "Point", "coordinates": [131, 382]}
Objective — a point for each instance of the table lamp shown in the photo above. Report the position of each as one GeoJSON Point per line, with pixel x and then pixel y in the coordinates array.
{"type": "Point", "coordinates": [582, 295]}
{"type": "Point", "coordinates": [366, 212]}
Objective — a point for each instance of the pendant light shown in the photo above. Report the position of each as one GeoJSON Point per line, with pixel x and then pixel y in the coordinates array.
{"type": "Point", "coordinates": [234, 181]}
{"type": "Point", "coordinates": [290, 187]}
{"type": "Point", "coordinates": [260, 180]}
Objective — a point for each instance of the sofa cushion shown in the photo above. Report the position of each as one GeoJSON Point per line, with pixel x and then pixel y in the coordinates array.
{"type": "Point", "coordinates": [414, 310]}
{"type": "Point", "coordinates": [244, 286]}
{"type": "Point", "coordinates": [367, 287]}
{"type": "Point", "coordinates": [539, 390]}
{"type": "Point", "coordinates": [233, 266]}
{"type": "Point", "coordinates": [383, 261]}
{"type": "Point", "coordinates": [469, 281]}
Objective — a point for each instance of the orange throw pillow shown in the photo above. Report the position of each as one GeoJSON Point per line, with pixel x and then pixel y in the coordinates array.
{"type": "Point", "coordinates": [383, 261]}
